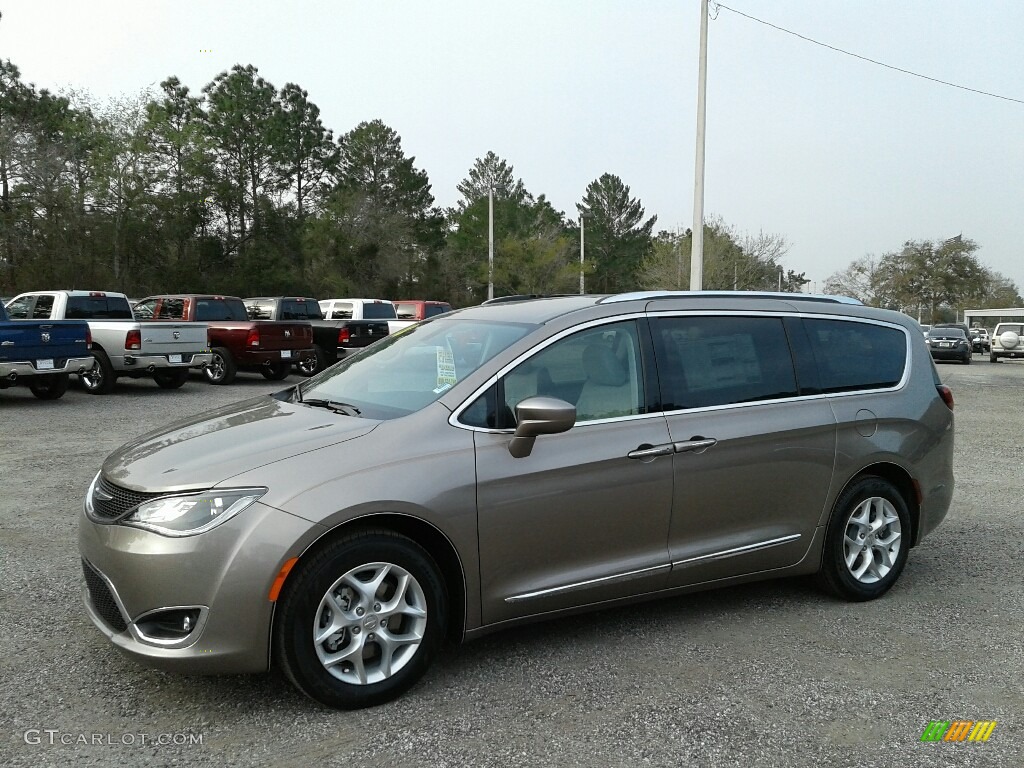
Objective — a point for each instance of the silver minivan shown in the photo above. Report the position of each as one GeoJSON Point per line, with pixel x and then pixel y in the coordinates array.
{"type": "Point", "coordinates": [514, 462]}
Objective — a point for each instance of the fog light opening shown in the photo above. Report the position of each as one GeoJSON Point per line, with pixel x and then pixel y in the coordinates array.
{"type": "Point", "coordinates": [170, 624]}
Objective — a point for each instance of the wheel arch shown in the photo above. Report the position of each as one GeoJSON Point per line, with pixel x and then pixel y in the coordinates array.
{"type": "Point", "coordinates": [429, 537]}
{"type": "Point", "coordinates": [904, 483]}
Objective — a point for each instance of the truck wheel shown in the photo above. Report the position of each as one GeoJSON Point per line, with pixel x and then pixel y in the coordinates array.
{"type": "Point", "coordinates": [315, 364]}
{"type": "Point", "coordinates": [101, 378]}
{"type": "Point", "coordinates": [172, 379]}
{"type": "Point", "coordinates": [222, 369]}
{"type": "Point", "coordinates": [49, 387]}
{"type": "Point", "coordinates": [276, 371]}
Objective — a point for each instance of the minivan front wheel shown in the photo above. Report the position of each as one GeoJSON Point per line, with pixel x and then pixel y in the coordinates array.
{"type": "Point", "coordinates": [360, 622]}
{"type": "Point", "coordinates": [867, 541]}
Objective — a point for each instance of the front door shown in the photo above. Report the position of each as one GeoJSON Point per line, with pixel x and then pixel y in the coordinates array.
{"type": "Point", "coordinates": [578, 521]}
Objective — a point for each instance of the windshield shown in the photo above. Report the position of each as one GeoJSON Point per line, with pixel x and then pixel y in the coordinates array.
{"type": "Point", "coordinates": [411, 369]}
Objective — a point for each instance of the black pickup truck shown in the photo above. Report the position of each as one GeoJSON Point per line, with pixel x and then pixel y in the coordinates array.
{"type": "Point", "coordinates": [332, 339]}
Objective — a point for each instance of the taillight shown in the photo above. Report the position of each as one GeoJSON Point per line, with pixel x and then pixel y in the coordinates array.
{"type": "Point", "coordinates": [343, 336]}
{"type": "Point", "coordinates": [88, 337]}
{"type": "Point", "coordinates": [209, 340]}
{"type": "Point", "coordinates": [133, 340]}
{"type": "Point", "coordinates": [253, 339]}
{"type": "Point", "coordinates": [946, 394]}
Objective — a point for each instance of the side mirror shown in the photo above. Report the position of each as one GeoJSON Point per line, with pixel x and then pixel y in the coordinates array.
{"type": "Point", "coordinates": [539, 416]}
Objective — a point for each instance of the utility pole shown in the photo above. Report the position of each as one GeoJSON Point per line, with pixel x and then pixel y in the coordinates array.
{"type": "Point", "coordinates": [490, 243]}
{"type": "Point", "coordinates": [697, 252]}
{"type": "Point", "coordinates": [581, 253]}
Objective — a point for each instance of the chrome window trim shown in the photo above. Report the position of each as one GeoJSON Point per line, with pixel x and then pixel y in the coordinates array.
{"type": "Point", "coordinates": [908, 354]}
{"type": "Point", "coordinates": [577, 585]}
{"type": "Point", "coordinates": [737, 550]}
{"type": "Point", "coordinates": [657, 313]}
{"type": "Point", "coordinates": [454, 418]}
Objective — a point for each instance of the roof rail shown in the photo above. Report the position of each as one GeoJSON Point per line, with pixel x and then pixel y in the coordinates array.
{"type": "Point", "coordinates": [651, 295]}
{"type": "Point", "coordinates": [525, 297]}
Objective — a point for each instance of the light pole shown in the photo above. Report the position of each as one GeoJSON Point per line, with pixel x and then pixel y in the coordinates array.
{"type": "Point", "coordinates": [697, 251]}
{"type": "Point", "coordinates": [490, 244]}
{"type": "Point", "coordinates": [582, 217]}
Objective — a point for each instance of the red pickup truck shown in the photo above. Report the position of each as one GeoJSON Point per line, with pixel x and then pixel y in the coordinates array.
{"type": "Point", "coordinates": [235, 341]}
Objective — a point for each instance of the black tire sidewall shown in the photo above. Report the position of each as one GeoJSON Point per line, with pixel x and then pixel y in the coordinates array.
{"type": "Point", "coordinates": [835, 575]}
{"type": "Point", "coordinates": [227, 363]}
{"type": "Point", "coordinates": [108, 377]}
{"type": "Point", "coordinates": [52, 387]}
{"type": "Point", "coordinates": [301, 598]}
{"type": "Point", "coordinates": [171, 379]}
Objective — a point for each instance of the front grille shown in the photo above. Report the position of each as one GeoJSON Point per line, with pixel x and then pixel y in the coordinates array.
{"type": "Point", "coordinates": [121, 499]}
{"type": "Point", "coordinates": [102, 599]}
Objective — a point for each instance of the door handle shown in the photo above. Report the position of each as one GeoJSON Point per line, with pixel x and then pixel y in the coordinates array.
{"type": "Point", "coordinates": [694, 445]}
{"type": "Point", "coordinates": [647, 451]}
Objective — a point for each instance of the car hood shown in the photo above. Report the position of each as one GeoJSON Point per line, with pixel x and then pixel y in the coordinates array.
{"type": "Point", "coordinates": [204, 450]}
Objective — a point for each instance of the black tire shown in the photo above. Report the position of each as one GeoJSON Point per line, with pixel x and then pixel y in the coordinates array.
{"type": "Point", "coordinates": [992, 358]}
{"type": "Point", "coordinates": [870, 495]}
{"type": "Point", "coordinates": [276, 371]}
{"type": "Point", "coordinates": [222, 368]}
{"type": "Point", "coordinates": [967, 360]}
{"type": "Point", "coordinates": [313, 365]}
{"type": "Point", "coordinates": [302, 607]}
{"type": "Point", "coordinates": [50, 386]}
{"type": "Point", "coordinates": [174, 378]}
{"type": "Point", "coordinates": [100, 380]}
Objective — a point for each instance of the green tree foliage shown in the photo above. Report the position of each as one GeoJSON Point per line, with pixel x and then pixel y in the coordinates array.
{"type": "Point", "coordinates": [531, 238]}
{"type": "Point", "coordinates": [731, 261]}
{"type": "Point", "coordinates": [616, 238]}
{"type": "Point", "coordinates": [931, 280]}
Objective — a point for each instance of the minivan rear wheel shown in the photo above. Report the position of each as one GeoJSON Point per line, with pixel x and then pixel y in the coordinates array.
{"type": "Point", "coordinates": [867, 541]}
{"type": "Point", "coordinates": [361, 620]}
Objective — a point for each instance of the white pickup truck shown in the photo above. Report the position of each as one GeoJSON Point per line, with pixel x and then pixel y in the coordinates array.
{"type": "Point", "coordinates": [364, 309]}
{"type": "Point", "coordinates": [122, 345]}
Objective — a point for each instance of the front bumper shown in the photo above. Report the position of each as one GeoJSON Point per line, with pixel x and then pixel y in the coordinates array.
{"type": "Point", "coordinates": [226, 573]}
{"type": "Point", "coordinates": [60, 365]}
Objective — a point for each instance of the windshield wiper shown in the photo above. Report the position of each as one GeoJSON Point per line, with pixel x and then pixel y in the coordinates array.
{"type": "Point", "coordinates": [345, 409]}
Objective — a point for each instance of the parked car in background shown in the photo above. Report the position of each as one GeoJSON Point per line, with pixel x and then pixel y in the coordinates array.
{"type": "Point", "coordinates": [42, 354]}
{"type": "Point", "coordinates": [980, 341]}
{"type": "Point", "coordinates": [949, 343]}
{"type": "Point", "coordinates": [122, 345]}
{"type": "Point", "coordinates": [1007, 341]}
{"type": "Point", "coordinates": [363, 309]}
{"type": "Point", "coordinates": [236, 342]}
{"type": "Point", "coordinates": [578, 453]}
{"type": "Point", "coordinates": [332, 339]}
{"type": "Point", "coordinates": [416, 311]}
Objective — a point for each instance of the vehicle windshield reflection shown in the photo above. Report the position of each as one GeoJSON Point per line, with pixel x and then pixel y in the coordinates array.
{"type": "Point", "coordinates": [410, 369]}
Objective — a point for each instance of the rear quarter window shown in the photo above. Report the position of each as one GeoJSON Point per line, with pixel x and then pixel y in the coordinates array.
{"type": "Point", "coordinates": [854, 355]}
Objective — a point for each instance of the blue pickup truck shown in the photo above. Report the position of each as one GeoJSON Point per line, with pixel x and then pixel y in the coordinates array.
{"type": "Point", "coordinates": [42, 353]}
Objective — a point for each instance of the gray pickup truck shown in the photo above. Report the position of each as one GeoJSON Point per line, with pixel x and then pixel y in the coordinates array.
{"type": "Point", "coordinates": [122, 345]}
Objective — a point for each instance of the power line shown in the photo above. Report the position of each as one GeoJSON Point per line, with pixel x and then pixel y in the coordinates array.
{"type": "Point", "coordinates": [865, 58]}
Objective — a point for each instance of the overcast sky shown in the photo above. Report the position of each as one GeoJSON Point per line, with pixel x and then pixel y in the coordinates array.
{"type": "Point", "coordinates": [841, 157]}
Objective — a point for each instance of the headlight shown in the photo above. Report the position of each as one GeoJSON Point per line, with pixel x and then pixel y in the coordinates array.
{"type": "Point", "coordinates": [192, 513]}
{"type": "Point", "coordinates": [90, 492]}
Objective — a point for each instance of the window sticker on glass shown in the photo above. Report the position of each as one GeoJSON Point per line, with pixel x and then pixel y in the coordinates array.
{"type": "Point", "coordinates": [445, 369]}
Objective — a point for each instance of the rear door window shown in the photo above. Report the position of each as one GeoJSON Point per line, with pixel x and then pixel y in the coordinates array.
{"type": "Point", "coordinates": [43, 308]}
{"type": "Point", "coordinates": [722, 360]}
{"type": "Point", "coordinates": [854, 355]}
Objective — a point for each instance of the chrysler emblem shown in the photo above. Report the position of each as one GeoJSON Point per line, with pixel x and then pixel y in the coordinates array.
{"type": "Point", "coordinates": [102, 495]}
{"type": "Point", "coordinates": [45, 337]}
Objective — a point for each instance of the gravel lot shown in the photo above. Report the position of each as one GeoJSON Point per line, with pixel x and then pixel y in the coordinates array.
{"type": "Point", "coordinates": [772, 674]}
